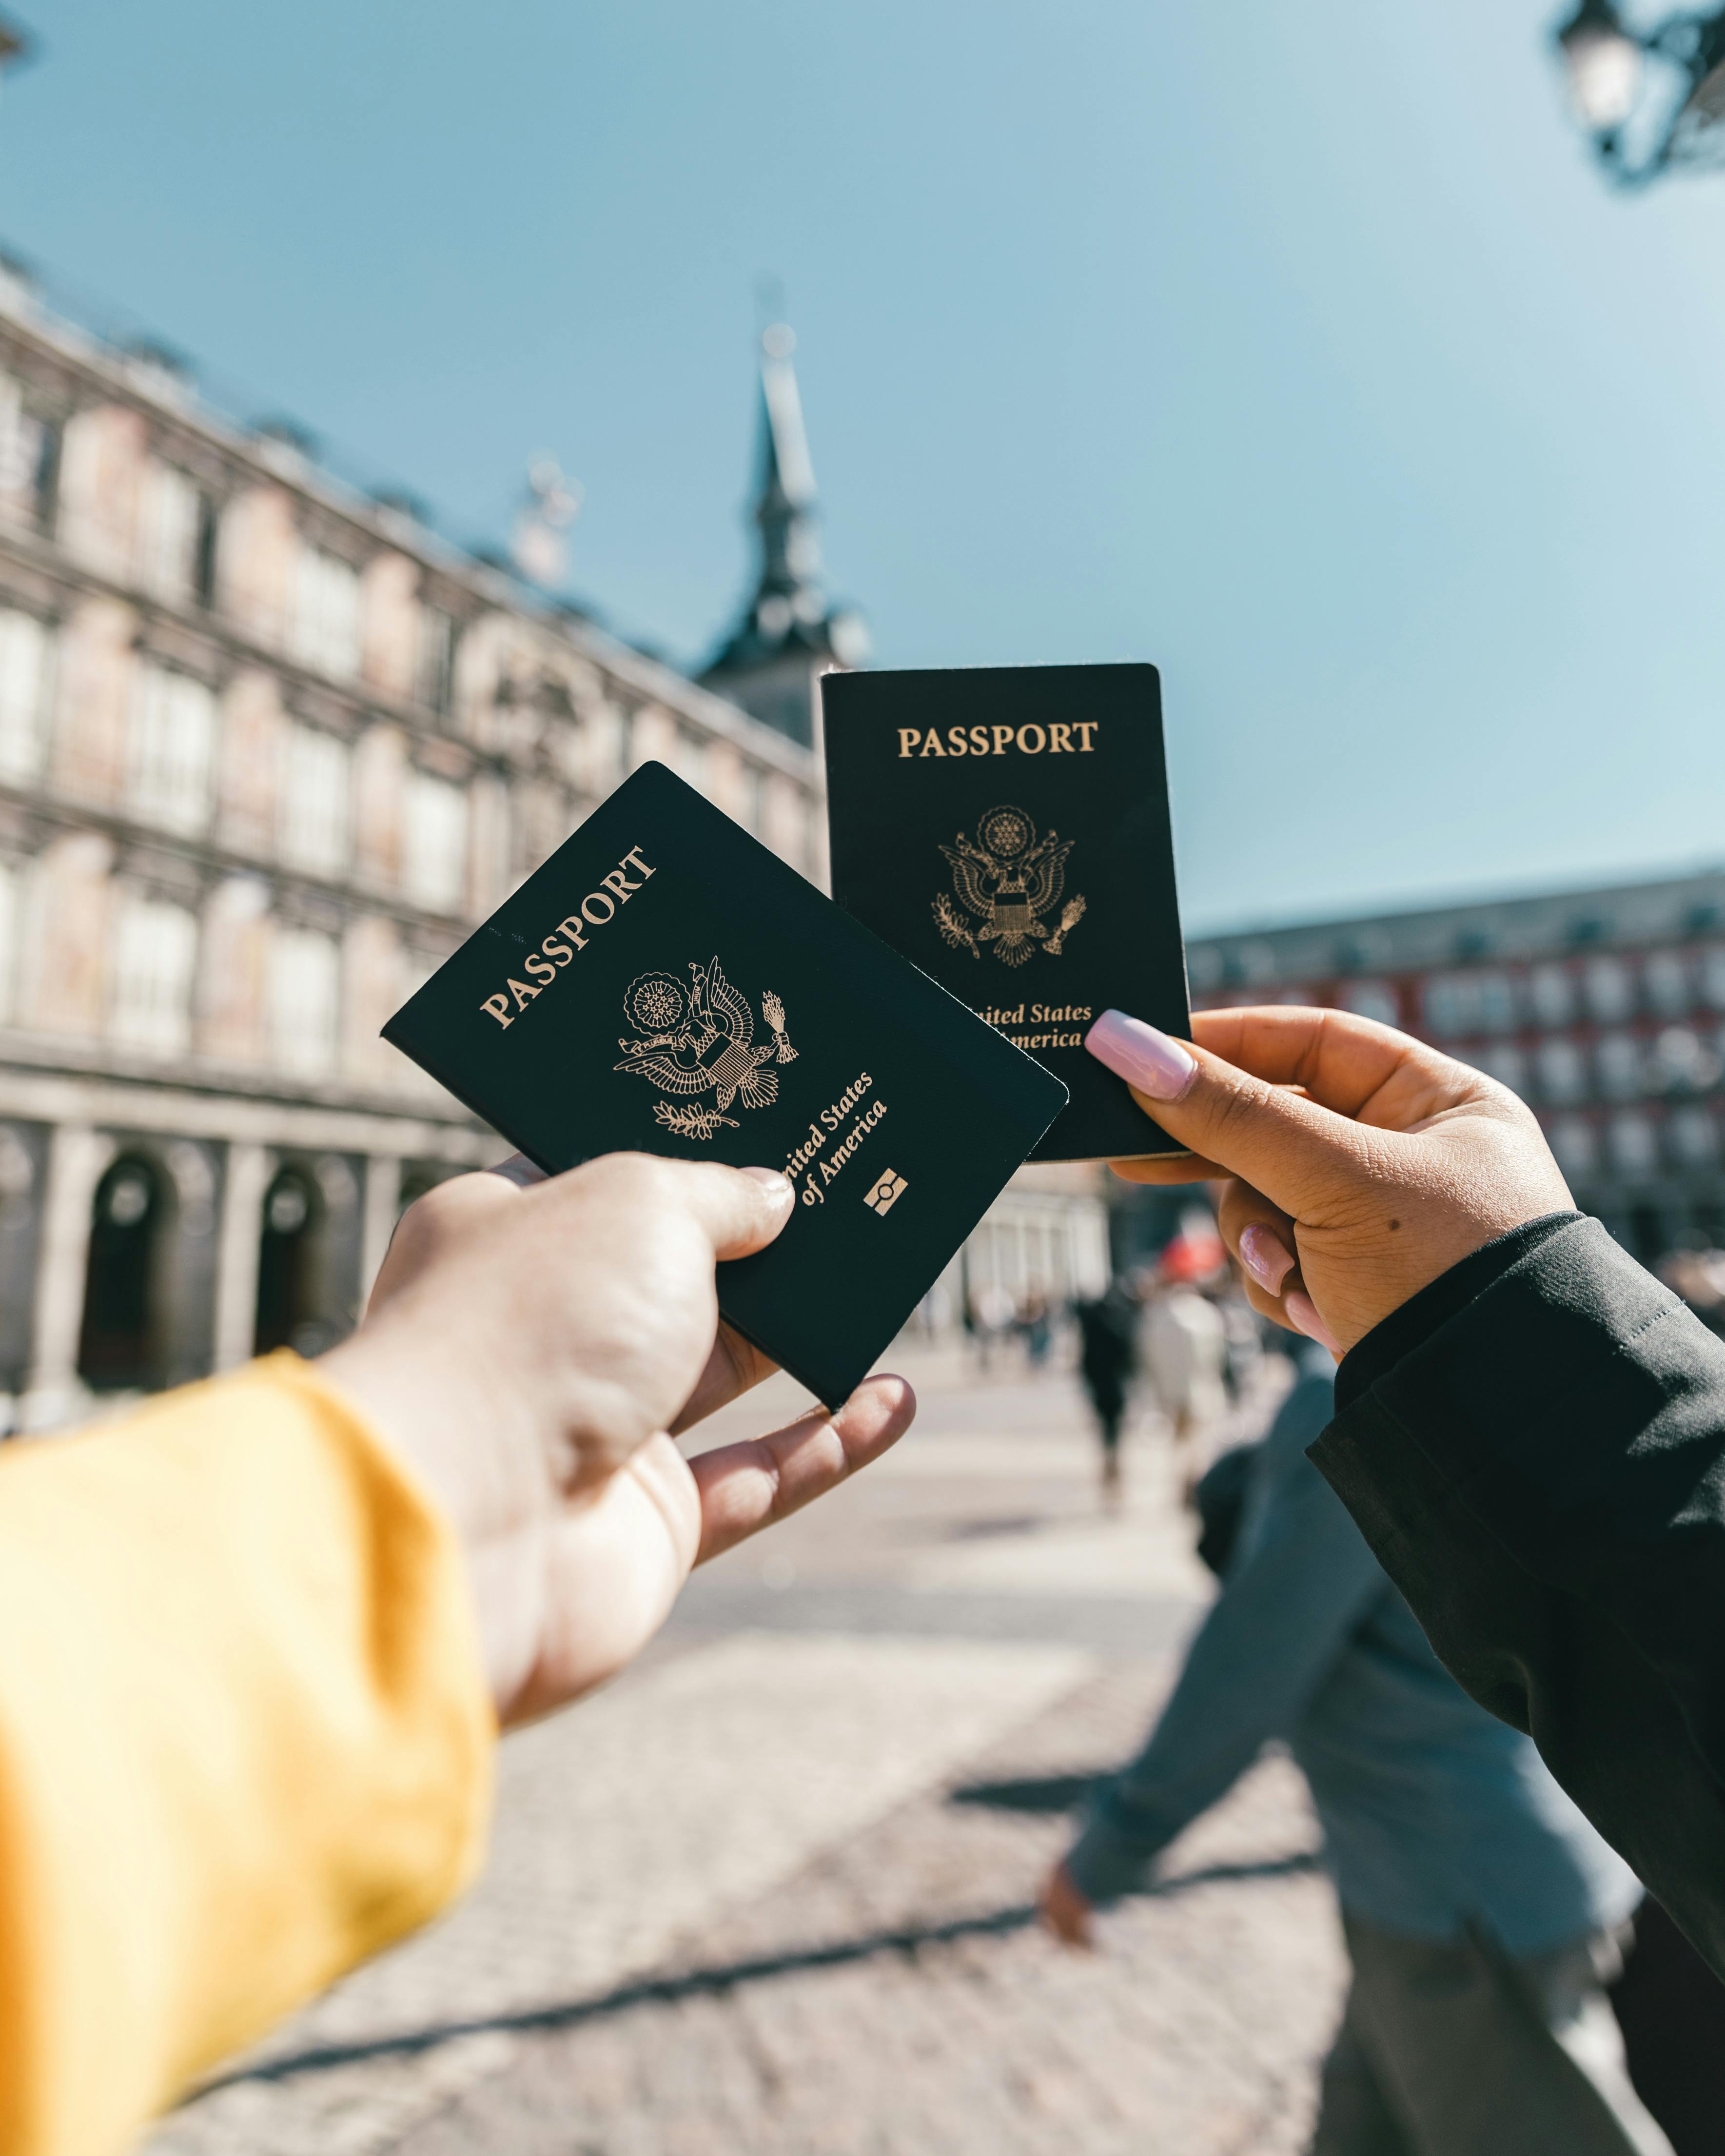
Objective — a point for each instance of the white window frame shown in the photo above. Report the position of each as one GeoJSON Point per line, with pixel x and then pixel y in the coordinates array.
{"type": "Point", "coordinates": [172, 750]}
{"type": "Point", "coordinates": [28, 652]}
{"type": "Point", "coordinates": [326, 617]}
{"type": "Point", "coordinates": [304, 1001]}
{"type": "Point", "coordinates": [11, 921]}
{"type": "Point", "coordinates": [315, 832]}
{"type": "Point", "coordinates": [170, 512]}
{"type": "Point", "coordinates": [435, 842]}
{"type": "Point", "coordinates": [155, 960]}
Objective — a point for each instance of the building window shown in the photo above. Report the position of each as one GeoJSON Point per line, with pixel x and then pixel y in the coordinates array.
{"type": "Point", "coordinates": [435, 669]}
{"type": "Point", "coordinates": [1551, 993]}
{"type": "Point", "coordinates": [29, 459]}
{"type": "Point", "coordinates": [1573, 1144]}
{"type": "Point", "coordinates": [1457, 1004]}
{"type": "Point", "coordinates": [1497, 996]}
{"type": "Point", "coordinates": [314, 793]}
{"type": "Point", "coordinates": [1373, 1000]}
{"type": "Point", "coordinates": [1619, 1057]}
{"type": "Point", "coordinates": [203, 560]}
{"type": "Point", "coordinates": [1667, 981]}
{"type": "Point", "coordinates": [304, 1001]}
{"type": "Point", "coordinates": [155, 950]}
{"type": "Point", "coordinates": [435, 856]}
{"type": "Point", "coordinates": [172, 748]}
{"type": "Point", "coordinates": [1506, 1063]}
{"type": "Point", "coordinates": [1683, 1062]}
{"type": "Point", "coordinates": [1610, 990]}
{"type": "Point", "coordinates": [1634, 1149]}
{"type": "Point", "coordinates": [1563, 1074]}
{"type": "Point", "coordinates": [326, 628]}
{"type": "Point", "coordinates": [26, 673]}
{"type": "Point", "coordinates": [170, 520]}
{"type": "Point", "coordinates": [1693, 1137]}
{"type": "Point", "coordinates": [10, 910]}
{"type": "Point", "coordinates": [1713, 977]}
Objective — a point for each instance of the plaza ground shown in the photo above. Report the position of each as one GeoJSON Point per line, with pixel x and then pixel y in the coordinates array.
{"type": "Point", "coordinates": [771, 1893]}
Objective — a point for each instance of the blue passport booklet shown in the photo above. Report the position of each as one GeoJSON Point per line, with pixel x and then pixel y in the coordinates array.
{"type": "Point", "coordinates": [1006, 829]}
{"type": "Point", "coordinates": [665, 984]}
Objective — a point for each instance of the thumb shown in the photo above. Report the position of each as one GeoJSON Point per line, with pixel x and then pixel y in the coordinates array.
{"type": "Point", "coordinates": [741, 1209]}
{"type": "Point", "coordinates": [1299, 1153]}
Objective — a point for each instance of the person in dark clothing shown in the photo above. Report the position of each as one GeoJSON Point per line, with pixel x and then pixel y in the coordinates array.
{"type": "Point", "coordinates": [1108, 1354]}
{"type": "Point", "coordinates": [1482, 1913]}
{"type": "Point", "coordinates": [1530, 1428]}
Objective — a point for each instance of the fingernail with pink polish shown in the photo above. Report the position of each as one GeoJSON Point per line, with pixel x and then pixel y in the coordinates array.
{"type": "Point", "coordinates": [1303, 1312]}
{"type": "Point", "coordinates": [1265, 1257]}
{"type": "Point", "coordinates": [1142, 1056]}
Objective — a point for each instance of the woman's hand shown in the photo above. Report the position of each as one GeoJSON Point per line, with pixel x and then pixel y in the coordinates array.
{"type": "Point", "coordinates": [529, 1347]}
{"type": "Point", "coordinates": [1358, 1164]}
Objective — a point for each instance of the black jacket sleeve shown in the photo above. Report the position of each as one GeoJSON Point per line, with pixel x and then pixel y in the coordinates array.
{"type": "Point", "coordinates": [1534, 1446]}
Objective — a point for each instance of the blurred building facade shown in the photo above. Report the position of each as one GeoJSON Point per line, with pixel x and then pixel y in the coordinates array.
{"type": "Point", "coordinates": [268, 751]}
{"type": "Point", "coordinates": [1604, 1009]}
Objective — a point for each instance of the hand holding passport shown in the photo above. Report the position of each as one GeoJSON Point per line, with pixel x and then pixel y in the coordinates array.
{"type": "Point", "coordinates": [665, 984]}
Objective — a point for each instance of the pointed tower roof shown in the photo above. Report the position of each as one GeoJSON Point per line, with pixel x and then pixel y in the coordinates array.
{"type": "Point", "coordinates": [788, 623]}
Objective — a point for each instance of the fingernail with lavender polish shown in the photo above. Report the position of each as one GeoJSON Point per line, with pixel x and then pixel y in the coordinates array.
{"type": "Point", "coordinates": [1303, 1312]}
{"type": "Point", "coordinates": [1265, 1257]}
{"type": "Point", "coordinates": [1145, 1058]}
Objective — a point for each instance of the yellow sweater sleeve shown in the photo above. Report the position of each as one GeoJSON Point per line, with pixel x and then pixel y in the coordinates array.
{"type": "Point", "coordinates": [244, 1738]}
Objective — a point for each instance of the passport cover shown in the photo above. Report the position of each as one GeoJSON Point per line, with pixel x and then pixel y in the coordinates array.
{"type": "Point", "coordinates": [665, 984]}
{"type": "Point", "coordinates": [1006, 828]}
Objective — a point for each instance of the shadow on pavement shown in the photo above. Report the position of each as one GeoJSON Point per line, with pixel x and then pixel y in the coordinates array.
{"type": "Point", "coordinates": [696, 1982]}
{"type": "Point", "coordinates": [1038, 1794]}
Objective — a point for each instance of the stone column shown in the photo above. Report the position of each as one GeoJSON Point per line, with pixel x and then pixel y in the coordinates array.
{"type": "Point", "coordinates": [243, 1188]}
{"type": "Point", "coordinates": [383, 1202]}
{"type": "Point", "coordinates": [78, 1156]}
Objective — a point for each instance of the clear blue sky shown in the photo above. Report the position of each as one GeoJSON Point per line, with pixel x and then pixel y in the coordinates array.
{"type": "Point", "coordinates": [1298, 348]}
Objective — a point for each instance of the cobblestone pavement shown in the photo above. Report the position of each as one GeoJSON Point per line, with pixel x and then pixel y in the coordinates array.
{"type": "Point", "coordinates": [770, 1894]}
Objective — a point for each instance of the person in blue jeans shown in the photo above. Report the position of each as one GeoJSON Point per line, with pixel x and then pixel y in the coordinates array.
{"type": "Point", "coordinates": [1482, 1913]}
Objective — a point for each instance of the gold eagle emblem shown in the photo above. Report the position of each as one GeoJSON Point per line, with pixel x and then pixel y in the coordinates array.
{"type": "Point", "coordinates": [1007, 878]}
{"type": "Point", "coordinates": [700, 1038]}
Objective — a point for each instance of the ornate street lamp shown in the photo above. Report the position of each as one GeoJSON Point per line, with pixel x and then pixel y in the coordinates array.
{"type": "Point", "coordinates": [1645, 119]}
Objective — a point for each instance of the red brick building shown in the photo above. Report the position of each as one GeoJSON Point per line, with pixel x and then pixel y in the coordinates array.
{"type": "Point", "coordinates": [1604, 1009]}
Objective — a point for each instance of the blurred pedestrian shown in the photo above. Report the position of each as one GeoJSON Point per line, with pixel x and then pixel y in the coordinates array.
{"type": "Point", "coordinates": [993, 1315]}
{"type": "Point", "coordinates": [1107, 1356]}
{"type": "Point", "coordinates": [1482, 1911]}
{"type": "Point", "coordinates": [1185, 1345]}
{"type": "Point", "coordinates": [1035, 1328]}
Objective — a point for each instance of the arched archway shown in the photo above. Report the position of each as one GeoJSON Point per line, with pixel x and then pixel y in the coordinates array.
{"type": "Point", "coordinates": [119, 1347]}
{"type": "Point", "coordinates": [288, 1289]}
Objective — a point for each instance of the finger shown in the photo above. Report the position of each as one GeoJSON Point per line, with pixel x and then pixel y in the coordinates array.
{"type": "Point", "coordinates": [734, 1365]}
{"type": "Point", "coordinates": [1299, 1153]}
{"type": "Point", "coordinates": [1260, 1235]}
{"type": "Point", "coordinates": [1263, 1241]}
{"type": "Point", "coordinates": [444, 1213]}
{"type": "Point", "coordinates": [741, 1209]}
{"type": "Point", "coordinates": [1351, 1064]}
{"type": "Point", "coordinates": [746, 1487]}
{"type": "Point", "coordinates": [1168, 1167]}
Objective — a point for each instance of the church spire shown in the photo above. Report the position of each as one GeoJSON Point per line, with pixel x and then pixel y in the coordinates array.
{"type": "Point", "coordinates": [788, 634]}
{"type": "Point", "coordinates": [784, 492]}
